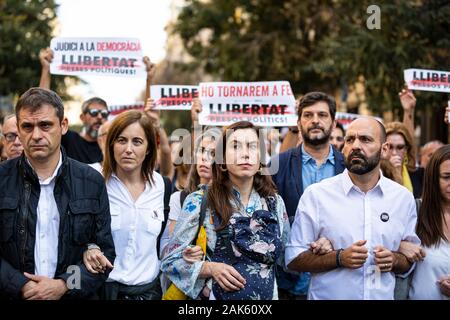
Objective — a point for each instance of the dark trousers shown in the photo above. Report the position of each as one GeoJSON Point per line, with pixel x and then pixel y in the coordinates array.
{"type": "Point", "coordinates": [118, 291]}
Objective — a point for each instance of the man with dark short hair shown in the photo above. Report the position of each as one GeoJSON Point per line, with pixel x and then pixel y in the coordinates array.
{"type": "Point", "coordinates": [314, 160]}
{"type": "Point", "coordinates": [52, 209]}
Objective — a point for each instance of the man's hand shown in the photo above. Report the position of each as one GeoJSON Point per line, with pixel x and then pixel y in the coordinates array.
{"type": "Point", "coordinates": [150, 67]}
{"type": "Point", "coordinates": [28, 286]}
{"type": "Point", "coordinates": [46, 57]}
{"type": "Point", "coordinates": [195, 110]}
{"type": "Point", "coordinates": [321, 246]}
{"type": "Point", "coordinates": [354, 256]}
{"type": "Point", "coordinates": [384, 259]}
{"type": "Point", "coordinates": [407, 99]}
{"type": "Point", "coordinates": [44, 288]}
{"type": "Point", "coordinates": [95, 261]}
{"type": "Point", "coordinates": [193, 254]}
{"type": "Point", "coordinates": [412, 252]}
{"type": "Point", "coordinates": [444, 285]}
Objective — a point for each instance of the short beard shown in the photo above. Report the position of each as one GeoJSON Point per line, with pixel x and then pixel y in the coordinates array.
{"type": "Point", "coordinates": [317, 141]}
{"type": "Point", "coordinates": [367, 165]}
{"type": "Point", "coordinates": [90, 131]}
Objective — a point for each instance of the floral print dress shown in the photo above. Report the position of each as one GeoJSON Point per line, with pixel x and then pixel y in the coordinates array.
{"type": "Point", "coordinates": [186, 275]}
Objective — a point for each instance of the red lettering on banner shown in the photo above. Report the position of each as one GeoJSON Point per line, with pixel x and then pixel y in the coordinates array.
{"type": "Point", "coordinates": [207, 91]}
{"type": "Point", "coordinates": [275, 91]}
{"type": "Point", "coordinates": [118, 46]}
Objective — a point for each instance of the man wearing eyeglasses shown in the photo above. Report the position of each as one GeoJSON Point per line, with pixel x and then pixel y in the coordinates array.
{"type": "Point", "coordinates": [84, 147]}
{"type": "Point", "coordinates": [12, 144]}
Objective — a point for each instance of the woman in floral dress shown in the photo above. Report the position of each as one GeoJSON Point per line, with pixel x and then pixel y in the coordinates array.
{"type": "Point", "coordinates": [245, 221]}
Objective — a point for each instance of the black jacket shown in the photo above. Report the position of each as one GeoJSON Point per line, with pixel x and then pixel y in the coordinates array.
{"type": "Point", "coordinates": [83, 205]}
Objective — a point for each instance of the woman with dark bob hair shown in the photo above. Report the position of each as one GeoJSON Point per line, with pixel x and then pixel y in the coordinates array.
{"type": "Point", "coordinates": [245, 221]}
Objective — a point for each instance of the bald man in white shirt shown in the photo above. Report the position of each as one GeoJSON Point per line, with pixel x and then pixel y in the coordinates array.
{"type": "Point", "coordinates": [364, 215]}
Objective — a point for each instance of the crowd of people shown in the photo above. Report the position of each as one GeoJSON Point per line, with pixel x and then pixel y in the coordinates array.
{"type": "Point", "coordinates": [116, 211]}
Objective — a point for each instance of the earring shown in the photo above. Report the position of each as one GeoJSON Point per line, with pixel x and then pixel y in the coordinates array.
{"type": "Point", "coordinates": [223, 168]}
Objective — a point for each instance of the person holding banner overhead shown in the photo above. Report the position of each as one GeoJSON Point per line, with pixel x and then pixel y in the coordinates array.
{"type": "Point", "coordinates": [245, 221]}
{"type": "Point", "coordinates": [164, 163]}
{"type": "Point", "coordinates": [401, 151]}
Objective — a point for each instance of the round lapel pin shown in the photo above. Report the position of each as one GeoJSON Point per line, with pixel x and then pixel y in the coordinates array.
{"type": "Point", "coordinates": [384, 217]}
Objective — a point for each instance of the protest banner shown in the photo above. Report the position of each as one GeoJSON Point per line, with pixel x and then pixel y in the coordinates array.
{"type": "Point", "coordinates": [114, 110]}
{"type": "Point", "coordinates": [97, 56]}
{"type": "Point", "coordinates": [168, 97]}
{"type": "Point", "coordinates": [427, 80]}
{"type": "Point", "coordinates": [346, 118]}
{"type": "Point", "coordinates": [265, 104]}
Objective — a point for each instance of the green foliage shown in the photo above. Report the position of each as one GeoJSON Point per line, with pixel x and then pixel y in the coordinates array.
{"type": "Point", "coordinates": [25, 28]}
{"type": "Point", "coordinates": [318, 45]}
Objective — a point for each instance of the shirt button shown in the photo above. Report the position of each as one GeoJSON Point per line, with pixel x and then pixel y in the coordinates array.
{"type": "Point", "coordinates": [42, 235]}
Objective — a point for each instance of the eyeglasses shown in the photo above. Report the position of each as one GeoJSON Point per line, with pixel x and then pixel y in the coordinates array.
{"type": "Point", "coordinates": [10, 136]}
{"type": "Point", "coordinates": [209, 153]}
{"type": "Point", "coordinates": [399, 147]}
{"type": "Point", "coordinates": [95, 112]}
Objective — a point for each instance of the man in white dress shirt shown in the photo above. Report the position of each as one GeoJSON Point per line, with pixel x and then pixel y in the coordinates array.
{"type": "Point", "coordinates": [363, 214]}
{"type": "Point", "coordinates": [51, 208]}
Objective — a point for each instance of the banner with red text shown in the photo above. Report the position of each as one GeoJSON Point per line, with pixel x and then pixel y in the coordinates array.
{"type": "Point", "coordinates": [427, 80]}
{"type": "Point", "coordinates": [170, 97]}
{"type": "Point", "coordinates": [346, 118]}
{"type": "Point", "coordinates": [116, 109]}
{"type": "Point", "coordinates": [117, 57]}
{"type": "Point", "coordinates": [265, 104]}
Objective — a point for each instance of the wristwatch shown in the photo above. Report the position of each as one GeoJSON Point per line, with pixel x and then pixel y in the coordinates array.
{"type": "Point", "coordinates": [91, 246]}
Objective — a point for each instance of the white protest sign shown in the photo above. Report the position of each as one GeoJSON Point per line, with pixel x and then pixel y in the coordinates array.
{"type": "Point", "coordinates": [97, 56]}
{"type": "Point", "coordinates": [427, 80]}
{"type": "Point", "coordinates": [265, 104]}
{"type": "Point", "coordinates": [116, 109]}
{"type": "Point", "coordinates": [346, 118]}
{"type": "Point", "coordinates": [170, 97]}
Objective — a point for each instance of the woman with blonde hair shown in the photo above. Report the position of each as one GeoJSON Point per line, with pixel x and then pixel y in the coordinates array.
{"type": "Point", "coordinates": [401, 154]}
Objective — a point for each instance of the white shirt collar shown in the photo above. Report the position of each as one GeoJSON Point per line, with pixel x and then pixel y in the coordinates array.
{"type": "Point", "coordinates": [348, 184]}
{"type": "Point", "coordinates": [49, 179]}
